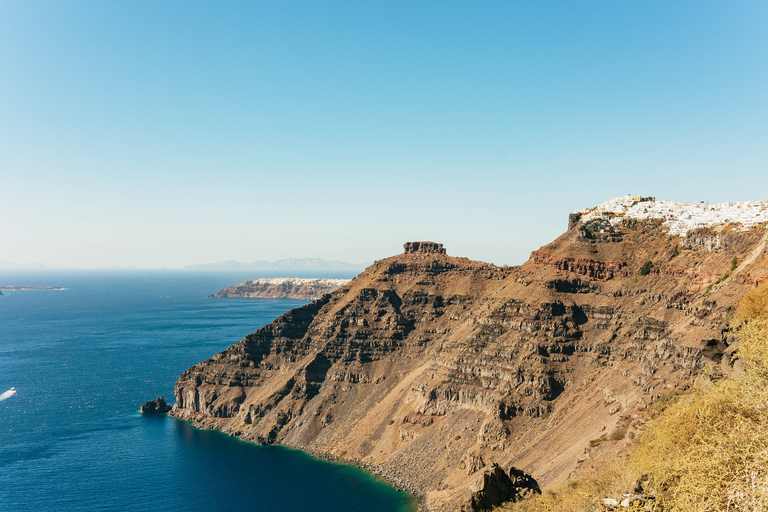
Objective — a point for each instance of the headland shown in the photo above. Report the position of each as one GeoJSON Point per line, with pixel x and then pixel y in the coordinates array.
{"type": "Point", "coordinates": [440, 372]}
{"type": "Point", "coordinates": [282, 288]}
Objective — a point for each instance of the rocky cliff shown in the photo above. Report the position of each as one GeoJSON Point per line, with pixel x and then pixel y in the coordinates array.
{"type": "Point", "coordinates": [430, 368]}
{"type": "Point", "coordinates": [282, 288]}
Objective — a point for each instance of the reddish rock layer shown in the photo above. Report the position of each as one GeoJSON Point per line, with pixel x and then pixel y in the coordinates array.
{"type": "Point", "coordinates": [582, 266]}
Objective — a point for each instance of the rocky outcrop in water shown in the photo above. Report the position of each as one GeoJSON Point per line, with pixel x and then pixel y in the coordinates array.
{"type": "Point", "coordinates": [156, 406]}
{"type": "Point", "coordinates": [431, 368]}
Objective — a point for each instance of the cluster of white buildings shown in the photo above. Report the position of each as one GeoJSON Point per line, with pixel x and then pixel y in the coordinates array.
{"type": "Point", "coordinates": [678, 217]}
{"type": "Point", "coordinates": [300, 281]}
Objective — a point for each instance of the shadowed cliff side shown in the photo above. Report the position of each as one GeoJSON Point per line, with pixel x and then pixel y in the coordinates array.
{"type": "Point", "coordinates": [430, 368]}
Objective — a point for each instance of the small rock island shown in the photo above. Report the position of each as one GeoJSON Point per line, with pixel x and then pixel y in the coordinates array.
{"type": "Point", "coordinates": [282, 288]}
{"type": "Point", "coordinates": [156, 406]}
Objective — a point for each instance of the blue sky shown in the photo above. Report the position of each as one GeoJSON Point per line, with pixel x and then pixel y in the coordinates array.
{"type": "Point", "coordinates": [161, 134]}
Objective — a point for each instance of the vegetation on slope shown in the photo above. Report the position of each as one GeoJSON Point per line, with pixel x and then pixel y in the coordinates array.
{"type": "Point", "coordinates": [706, 452]}
{"type": "Point", "coordinates": [754, 305]}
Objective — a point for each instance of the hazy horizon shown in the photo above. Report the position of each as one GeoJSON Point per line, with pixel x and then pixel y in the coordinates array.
{"type": "Point", "coordinates": [160, 135]}
{"type": "Point", "coordinates": [241, 265]}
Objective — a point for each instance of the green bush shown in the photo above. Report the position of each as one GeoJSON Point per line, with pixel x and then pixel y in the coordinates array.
{"type": "Point", "coordinates": [722, 278]}
{"type": "Point", "coordinates": [595, 442]}
{"type": "Point", "coordinates": [646, 268]}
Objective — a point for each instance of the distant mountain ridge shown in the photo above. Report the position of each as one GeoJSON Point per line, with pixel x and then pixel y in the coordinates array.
{"type": "Point", "coordinates": [9, 265]}
{"type": "Point", "coordinates": [293, 264]}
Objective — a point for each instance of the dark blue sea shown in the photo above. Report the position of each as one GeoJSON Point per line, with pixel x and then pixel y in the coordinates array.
{"type": "Point", "coordinates": [85, 358]}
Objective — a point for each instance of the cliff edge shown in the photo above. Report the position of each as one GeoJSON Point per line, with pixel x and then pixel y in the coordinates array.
{"type": "Point", "coordinates": [282, 288]}
{"type": "Point", "coordinates": [430, 369]}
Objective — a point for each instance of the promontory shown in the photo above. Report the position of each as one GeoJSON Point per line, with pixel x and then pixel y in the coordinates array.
{"type": "Point", "coordinates": [282, 288]}
{"type": "Point", "coordinates": [439, 372]}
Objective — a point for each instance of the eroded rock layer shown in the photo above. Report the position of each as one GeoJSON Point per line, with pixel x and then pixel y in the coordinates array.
{"type": "Point", "coordinates": [431, 368]}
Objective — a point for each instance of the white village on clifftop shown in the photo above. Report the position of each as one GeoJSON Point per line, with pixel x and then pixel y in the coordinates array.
{"type": "Point", "coordinates": [679, 217]}
{"type": "Point", "coordinates": [299, 281]}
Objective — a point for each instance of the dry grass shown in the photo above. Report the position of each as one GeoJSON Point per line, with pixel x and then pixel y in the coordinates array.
{"type": "Point", "coordinates": [754, 305]}
{"type": "Point", "coordinates": [710, 451]}
{"type": "Point", "coordinates": [707, 451]}
{"type": "Point", "coordinates": [579, 495]}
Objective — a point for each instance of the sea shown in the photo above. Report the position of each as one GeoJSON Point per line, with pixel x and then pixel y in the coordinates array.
{"type": "Point", "coordinates": [84, 359]}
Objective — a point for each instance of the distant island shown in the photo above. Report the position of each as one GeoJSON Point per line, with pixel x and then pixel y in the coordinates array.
{"type": "Point", "coordinates": [23, 288]}
{"type": "Point", "coordinates": [282, 288]}
{"type": "Point", "coordinates": [287, 264]}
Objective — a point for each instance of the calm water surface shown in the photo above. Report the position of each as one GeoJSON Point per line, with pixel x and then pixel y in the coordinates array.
{"type": "Point", "coordinates": [84, 359]}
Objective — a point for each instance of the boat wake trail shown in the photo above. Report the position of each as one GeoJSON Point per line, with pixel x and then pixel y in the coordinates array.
{"type": "Point", "coordinates": [8, 394]}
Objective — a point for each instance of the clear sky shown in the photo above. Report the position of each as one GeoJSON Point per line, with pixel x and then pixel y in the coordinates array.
{"type": "Point", "coordinates": [161, 134]}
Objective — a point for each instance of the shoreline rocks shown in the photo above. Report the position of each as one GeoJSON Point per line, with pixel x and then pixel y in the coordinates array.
{"type": "Point", "coordinates": [495, 486]}
{"type": "Point", "coordinates": [156, 406]}
{"type": "Point", "coordinates": [398, 482]}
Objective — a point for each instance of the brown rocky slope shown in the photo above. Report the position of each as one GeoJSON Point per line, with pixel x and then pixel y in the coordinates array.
{"type": "Point", "coordinates": [430, 368]}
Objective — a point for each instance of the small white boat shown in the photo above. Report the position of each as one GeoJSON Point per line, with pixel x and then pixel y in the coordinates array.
{"type": "Point", "coordinates": [8, 394]}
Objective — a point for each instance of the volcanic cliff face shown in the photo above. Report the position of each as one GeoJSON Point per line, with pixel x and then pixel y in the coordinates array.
{"type": "Point", "coordinates": [431, 368]}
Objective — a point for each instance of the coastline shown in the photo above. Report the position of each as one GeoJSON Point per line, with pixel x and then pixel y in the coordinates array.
{"type": "Point", "coordinates": [398, 483]}
{"type": "Point", "coordinates": [376, 470]}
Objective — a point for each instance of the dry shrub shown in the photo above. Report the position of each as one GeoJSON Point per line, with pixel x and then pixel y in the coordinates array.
{"type": "Point", "coordinates": [579, 494]}
{"type": "Point", "coordinates": [754, 305]}
{"type": "Point", "coordinates": [710, 451]}
{"type": "Point", "coordinates": [618, 434]}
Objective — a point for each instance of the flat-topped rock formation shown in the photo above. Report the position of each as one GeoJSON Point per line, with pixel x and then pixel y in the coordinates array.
{"type": "Point", "coordinates": [423, 248]}
{"type": "Point", "coordinates": [430, 369]}
{"type": "Point", "coordinates": [282, 288]}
